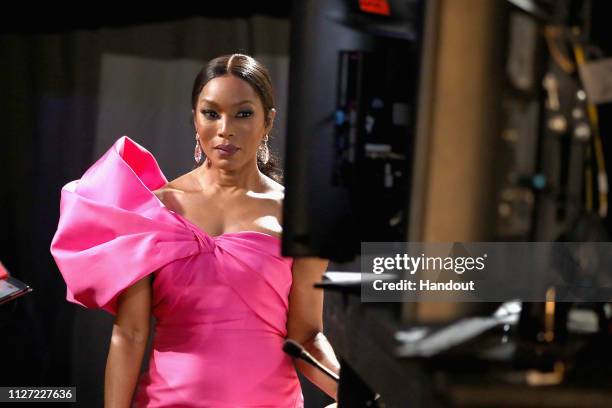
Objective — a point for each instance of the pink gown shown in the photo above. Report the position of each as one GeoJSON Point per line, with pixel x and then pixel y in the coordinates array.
{"type": "Point", "coordinates": [220, 302]}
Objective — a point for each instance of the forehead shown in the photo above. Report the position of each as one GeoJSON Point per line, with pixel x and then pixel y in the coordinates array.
{"type": "Point", "coordinates": [228, 90]}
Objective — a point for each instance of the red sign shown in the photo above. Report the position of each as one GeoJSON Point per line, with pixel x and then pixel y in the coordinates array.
{"type": "Point", "coordinates": [3, 272]}
{"type": "Point", "coordinates": [375, 7]}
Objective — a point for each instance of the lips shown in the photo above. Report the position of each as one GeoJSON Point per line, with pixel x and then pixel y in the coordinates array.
{"type": "Point", "coordinates": [228, 148]}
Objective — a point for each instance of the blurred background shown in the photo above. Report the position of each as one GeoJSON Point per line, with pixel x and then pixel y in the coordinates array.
{"type": "Point", "coordinates": [442, 120]}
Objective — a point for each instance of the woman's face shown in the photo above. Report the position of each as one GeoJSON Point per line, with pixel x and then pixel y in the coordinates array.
{"type": "Point", "coordinates": [230, 112]}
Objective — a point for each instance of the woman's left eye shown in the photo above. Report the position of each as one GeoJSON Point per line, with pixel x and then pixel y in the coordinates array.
{"type": "Point", "coordinates": [244, 114]}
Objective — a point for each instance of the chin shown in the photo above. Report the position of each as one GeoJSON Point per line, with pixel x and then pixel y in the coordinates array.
{"type": "Point", "coordinates": [225, 164]}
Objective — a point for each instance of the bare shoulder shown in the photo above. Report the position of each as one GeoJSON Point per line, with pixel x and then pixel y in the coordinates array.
{"type": "Point", "coordinates": [274, 190]}
{"type": "Point", "coordinates": [172, 194]}
{"type": "Point", "coordinates": [273, 197]}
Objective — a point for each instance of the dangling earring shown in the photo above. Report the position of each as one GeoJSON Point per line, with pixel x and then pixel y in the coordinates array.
{"type": "Point", "coordinates": [197, 153]}
{"type": "Point", "coordinates": [264, 152]}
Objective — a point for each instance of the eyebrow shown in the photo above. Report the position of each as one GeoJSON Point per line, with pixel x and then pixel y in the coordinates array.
{"type": "Point", "coordinates": [210, 101]}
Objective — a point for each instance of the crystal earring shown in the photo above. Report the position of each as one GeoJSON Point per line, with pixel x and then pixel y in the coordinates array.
{"type": "Point", "coordinates": [197, 153]}
{"type": "Point", "coordinates": [264, 151]}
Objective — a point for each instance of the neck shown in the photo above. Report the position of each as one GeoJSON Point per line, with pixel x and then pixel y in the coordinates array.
{"type": "Point", "coordinates": [235, 181]}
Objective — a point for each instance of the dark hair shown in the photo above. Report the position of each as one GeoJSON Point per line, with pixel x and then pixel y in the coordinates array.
{"type": "Point", "coordinates": [253, 72]}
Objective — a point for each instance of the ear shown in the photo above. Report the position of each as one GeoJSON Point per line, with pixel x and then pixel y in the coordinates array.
{"type": "Point", "coordinates": [271, 116]}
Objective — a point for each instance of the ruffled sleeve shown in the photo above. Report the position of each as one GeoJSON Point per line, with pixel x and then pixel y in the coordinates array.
{"type": "Point", "coordinates": [113, 230]}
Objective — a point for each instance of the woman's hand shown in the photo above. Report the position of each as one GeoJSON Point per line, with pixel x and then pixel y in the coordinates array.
{"type": "Point", "coordinates": [128, 344]}
{"type": "Point", "coordinates": [305, 322]}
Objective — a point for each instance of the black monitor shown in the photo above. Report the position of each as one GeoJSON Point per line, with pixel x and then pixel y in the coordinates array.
{"type": "Point", "coordinates": [352, 118]}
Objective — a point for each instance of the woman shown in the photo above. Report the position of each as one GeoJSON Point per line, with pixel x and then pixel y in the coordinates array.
{"type": "Point", "coordinates": [202, 254]}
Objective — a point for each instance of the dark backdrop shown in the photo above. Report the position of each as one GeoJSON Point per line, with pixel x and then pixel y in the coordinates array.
{"type": "Point", "coordinates": [57, 119]}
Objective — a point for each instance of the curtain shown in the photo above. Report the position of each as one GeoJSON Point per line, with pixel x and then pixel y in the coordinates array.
{"type": "Point", "coordinates": [66, 98]}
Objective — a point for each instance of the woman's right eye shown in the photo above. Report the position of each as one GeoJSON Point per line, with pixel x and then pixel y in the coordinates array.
{"type": "Point", "coordinates": [210, 114]}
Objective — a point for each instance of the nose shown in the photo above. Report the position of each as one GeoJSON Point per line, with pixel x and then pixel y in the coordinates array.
{"type": "Point", "coordinates": [225, 124]}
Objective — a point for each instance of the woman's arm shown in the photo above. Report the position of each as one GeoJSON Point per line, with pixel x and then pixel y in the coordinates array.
{"type": "Point", "coordinates": [128, 344]}
{"type": "Point", "coordinates": [305, 322]}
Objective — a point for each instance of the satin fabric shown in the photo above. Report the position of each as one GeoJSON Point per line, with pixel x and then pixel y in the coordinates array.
{"type": "Point", "coordinates": [220, 302]}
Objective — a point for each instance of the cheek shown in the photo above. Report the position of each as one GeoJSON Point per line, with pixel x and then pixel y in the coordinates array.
{"type": "Point", "coordinates": [206, 127]}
